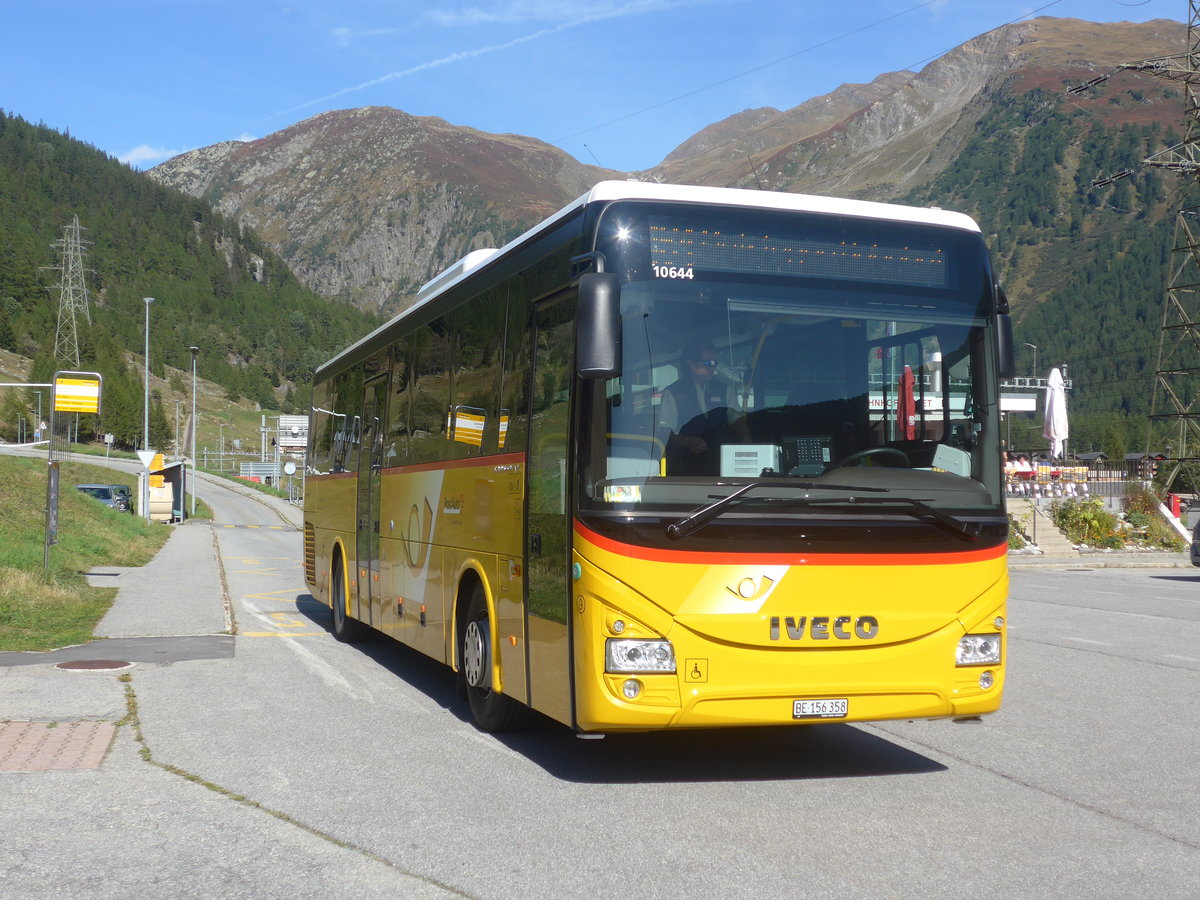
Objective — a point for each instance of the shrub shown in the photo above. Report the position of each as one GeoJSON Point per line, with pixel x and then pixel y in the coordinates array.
{"type": "Point", "coordinates": [1087, 522]}
{"type": "Point", "coordinates": [1016, 539]}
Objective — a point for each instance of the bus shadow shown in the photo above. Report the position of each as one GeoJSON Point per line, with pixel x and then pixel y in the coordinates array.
{"type": "Point", "coordinates": [1186, 578]}
{"type": "Point", "coordinates": [786, 753]}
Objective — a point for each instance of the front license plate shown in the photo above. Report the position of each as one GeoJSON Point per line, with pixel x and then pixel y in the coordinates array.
{"type": "Point", "coordinates": [820, 709]}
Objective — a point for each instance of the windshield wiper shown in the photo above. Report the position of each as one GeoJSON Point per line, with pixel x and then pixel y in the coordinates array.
{"type": "Point", "coordinates": [910, 505]}
{"type": "Point", "coordinates": [706, 514]}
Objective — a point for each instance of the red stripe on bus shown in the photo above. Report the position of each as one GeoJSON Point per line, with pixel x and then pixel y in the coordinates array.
{"type": "Point", "coordinates": [702, 557]}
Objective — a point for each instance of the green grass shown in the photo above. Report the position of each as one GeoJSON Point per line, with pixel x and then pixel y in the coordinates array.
{"type": "Point", "coordinates": [43, 609]}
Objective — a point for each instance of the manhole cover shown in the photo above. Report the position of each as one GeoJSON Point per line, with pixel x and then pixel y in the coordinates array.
{"type": "Point", "coordinates": [95, 665]}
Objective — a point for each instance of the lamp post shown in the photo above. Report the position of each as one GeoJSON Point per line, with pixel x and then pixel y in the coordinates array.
{"type": "Point", "coordinates": [194, 351]}
{"type": "Point", "coordinates": [1034, 348]}
{"type": "Point", "coordinates": [146, 415]}
{"type": "Point", "coordinates": [146, 373]}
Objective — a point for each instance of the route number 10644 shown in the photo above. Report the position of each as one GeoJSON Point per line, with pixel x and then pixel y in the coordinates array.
{"type": "Point", "coordinates": [674, 272]}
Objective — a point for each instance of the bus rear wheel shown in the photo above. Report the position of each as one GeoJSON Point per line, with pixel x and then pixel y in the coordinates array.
{"type": "Point", "coordinates": [491, 711]}
{"type": "Point", "coordinates": [345, 629]}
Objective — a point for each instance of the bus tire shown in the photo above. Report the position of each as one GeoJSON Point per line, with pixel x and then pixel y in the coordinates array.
{"type": "Point", "coordinates": [491, 711]}
{"type": "Point", "coordinates": [345, 629]}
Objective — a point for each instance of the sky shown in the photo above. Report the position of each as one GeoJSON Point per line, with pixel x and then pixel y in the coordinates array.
{"type": "Point", "coordinates": [619, 83]}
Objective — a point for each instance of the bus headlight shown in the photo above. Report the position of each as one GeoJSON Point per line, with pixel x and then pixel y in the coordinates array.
{"type": "Point", "coordinates": [978, 650]}
{"type": "Point", "coordinates": [624, 655]}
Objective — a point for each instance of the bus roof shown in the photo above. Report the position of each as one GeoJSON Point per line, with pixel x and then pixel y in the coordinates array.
{"type": "Point", "coordinates": [608, 191]}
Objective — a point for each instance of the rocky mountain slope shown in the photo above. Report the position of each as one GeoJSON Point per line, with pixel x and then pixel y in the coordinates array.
{"type": "Point", "coordinates": [881, 140]}
{"type": "Point", "coordinates": [367, 204]}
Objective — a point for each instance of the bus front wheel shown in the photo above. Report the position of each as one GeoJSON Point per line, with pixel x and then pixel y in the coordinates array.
{"type": "Point", "coordinates": [491, 711]}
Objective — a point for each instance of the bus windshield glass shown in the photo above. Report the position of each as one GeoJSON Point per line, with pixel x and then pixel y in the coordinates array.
{"type": "Point", "coordinates": [783, 347]}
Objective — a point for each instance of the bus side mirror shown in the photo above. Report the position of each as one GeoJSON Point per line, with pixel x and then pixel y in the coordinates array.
{"type": "Point", "coordinates": [598, 326]}
{"type": "Point", "coordinates": [1007, 355]}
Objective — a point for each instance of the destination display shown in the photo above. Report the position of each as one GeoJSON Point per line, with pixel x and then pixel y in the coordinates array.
{"type": "Point", "coordinates": [681, 248]}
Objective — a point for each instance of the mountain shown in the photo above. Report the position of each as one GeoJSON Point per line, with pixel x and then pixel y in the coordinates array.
{"type": "Point", "coordinates": [368, 204]}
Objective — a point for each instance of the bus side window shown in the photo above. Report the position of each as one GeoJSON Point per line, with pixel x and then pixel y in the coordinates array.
{"type": "Point", "coordinates": [518, 369]}
{"type": "Point", "coordinates": [476, 344]}
{"type": "Point", "coordinates": [396, 449]}
{"type": "Point", "coordinates": [429, 393]}
{"type": "Point", "coordinates": [347, 407]}
{"type": "Point", "coordinates": [320, 430]}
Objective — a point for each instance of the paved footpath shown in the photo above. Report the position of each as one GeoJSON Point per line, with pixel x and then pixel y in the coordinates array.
{"type": "Point", "coordinates": [84, 809]}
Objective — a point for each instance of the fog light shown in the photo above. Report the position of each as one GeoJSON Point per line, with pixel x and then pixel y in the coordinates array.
{"type": "Point", "coordinates": [629, 655]}
{"type": "Point", "coordinates": [618, 626]}
{"type": "Point", "coordinates": [978, 650]}
{"type": "Point", "coordinates": [986, 679]}
{"type": "Point", "coordinates": [631, 688]}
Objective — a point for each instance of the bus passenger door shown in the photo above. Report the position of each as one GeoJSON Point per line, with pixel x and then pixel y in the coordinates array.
{"type": "Point", "coordinates": [370, 462]}
{"type": "Point", "coordinates": [548, 522]}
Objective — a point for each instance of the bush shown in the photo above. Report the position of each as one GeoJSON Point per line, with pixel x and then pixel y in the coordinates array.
{"type": "Point", "coordinates": [1016, 539]}
{"type": "Point", "coordinates": [1087, 522]}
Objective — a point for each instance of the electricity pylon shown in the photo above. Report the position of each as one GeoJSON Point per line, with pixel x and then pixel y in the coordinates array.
{"type": "Point", "coordinates": [1177, 374]}
{"type": "Point", "coordinates": [72, 294]}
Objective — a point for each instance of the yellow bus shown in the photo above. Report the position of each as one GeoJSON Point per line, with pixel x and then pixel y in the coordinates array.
{"type": "Point", "coordinates": [682, 457]}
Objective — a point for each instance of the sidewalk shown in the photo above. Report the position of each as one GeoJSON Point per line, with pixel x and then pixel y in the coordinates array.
{"type": "Point", "coordinates": [171, 609]}
{"type": "Point", "coordinates": [1102, 559]}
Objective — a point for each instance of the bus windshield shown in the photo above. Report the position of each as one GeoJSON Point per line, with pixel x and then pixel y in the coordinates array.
{"type": "Point", "coordinates": [850, 354]}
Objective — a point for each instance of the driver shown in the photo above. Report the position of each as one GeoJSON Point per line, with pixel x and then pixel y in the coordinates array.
{"type": "Point", "coordinates": [701, 412]}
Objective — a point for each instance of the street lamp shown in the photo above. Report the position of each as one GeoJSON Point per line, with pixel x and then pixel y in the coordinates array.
{"type": "Point", "coordinates": [1034, 348]}
{"type": "Point", "coordinates": [146, 403]}
{"type": "Point", "coordinates": [146, 415]}
{"type": "Point", "coordinates": [194, 351]}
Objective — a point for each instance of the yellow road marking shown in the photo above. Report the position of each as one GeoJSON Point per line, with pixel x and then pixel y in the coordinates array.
{"type": "Point", "coordinates": [286, 620]}
{"type": "Point", "coordinates": [292, 594]}
{"type": "Point", "coordinates": [284, 634]}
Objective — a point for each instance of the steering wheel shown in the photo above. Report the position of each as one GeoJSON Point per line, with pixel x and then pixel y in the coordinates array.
{"type": "Point", "coordinates": [855, 458]}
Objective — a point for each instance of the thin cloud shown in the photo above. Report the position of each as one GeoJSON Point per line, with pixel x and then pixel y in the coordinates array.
{"type": "Point", "coordinates": [560, 11]}
{"type": "Point", "coordinates": [347, 36]}
{"type": "Point", "coordinates": [521, 10]}
{"type": "Point", "coordinates": [144, 155]}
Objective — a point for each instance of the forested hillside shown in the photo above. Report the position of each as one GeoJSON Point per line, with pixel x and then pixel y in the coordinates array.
{"type": "Point", "coordinates": [1086, 267]}
{"type": "Point", "coordinates": [216, 285]}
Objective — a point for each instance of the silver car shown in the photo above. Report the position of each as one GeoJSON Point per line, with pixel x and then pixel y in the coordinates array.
{"type": "Point", "coordinates": [105, 494]}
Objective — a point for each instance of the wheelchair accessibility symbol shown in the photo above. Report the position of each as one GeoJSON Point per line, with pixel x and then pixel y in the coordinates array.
{"type": "Point", "coordinates": [695, 671]}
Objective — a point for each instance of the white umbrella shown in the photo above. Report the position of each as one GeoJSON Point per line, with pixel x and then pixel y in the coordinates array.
{"type": "Point", "coordinates": [1054, 428]}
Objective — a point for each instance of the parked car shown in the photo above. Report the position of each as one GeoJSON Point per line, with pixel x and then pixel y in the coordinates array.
{"type": "Point", "coordinates": [105, 494]}
{"type": "Point", "coordinates": [124, 491]}
{"type": "Point", "coordinates": [1196, 545]}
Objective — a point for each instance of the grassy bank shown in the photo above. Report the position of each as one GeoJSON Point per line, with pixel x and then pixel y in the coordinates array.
{"type": "Point", "coordinates": [41, 610]}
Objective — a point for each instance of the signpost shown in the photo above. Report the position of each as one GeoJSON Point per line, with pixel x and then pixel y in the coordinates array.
{"type": "Point", "coordinates": [147, 457]}
{"type": "Point", "coordinates": [73, 392]}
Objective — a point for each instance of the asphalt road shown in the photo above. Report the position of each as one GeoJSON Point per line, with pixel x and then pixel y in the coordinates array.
{"type": "Point", "coordinates": [336, 770]}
